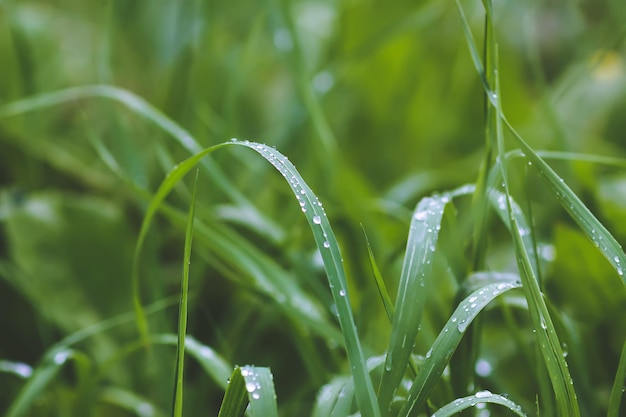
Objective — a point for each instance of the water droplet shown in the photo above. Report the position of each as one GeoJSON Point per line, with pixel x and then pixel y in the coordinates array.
{"type": "Point", "coordinates": [256, 395]}
{"type": "Point", "coordinates": [61, 357]}
{"type": "Point", "coordinates": [250, 386]}
{"type": "Point", "coordinates": [421, 215]}
{"type": "Point", "coordinates": [462, 325]}
{"type": "Point", "coordinates": [233, 140]}
{"type": "Point", "coordinates": [483, 394]}
{"type": "Point", "coordinates": [543, 324]}
{"type": "Point", "coordinates": [342, 293]}
{"type": "Point", "coordinates": [429, 353]}
{"type": "Point", "coordinates": [472, 299]}
{"type": "Point", "coordinates": [326, 244]}
{"type": "Point", "coordinates": [317, 220]}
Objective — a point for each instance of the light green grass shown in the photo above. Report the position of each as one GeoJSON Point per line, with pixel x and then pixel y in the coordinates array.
{"type": "Point", "coordinates": [472, 300]}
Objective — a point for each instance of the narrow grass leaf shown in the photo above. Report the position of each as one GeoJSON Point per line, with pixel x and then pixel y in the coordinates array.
{"type": "Point", "coordinates": [129, 401]}
{"type": "Point", "coordinates": [617, 391]}
{"type": "Point", "coordinates": [333, 264]}
{"type": "Point", "coordinates": [19, 369]}
{"type": "Point", "coordinates": [39, 380]}
{"type": "Point", "coordinates": [182, 313]}
{"type": "Point", "coordinates": [480, 397]}
{"type": "Point", "coordinates": [591, 226]}
{"type": "Point", "coordinates": [215, 366]}
{"type": "Point", "coordinates": [380, 282]}
{"type": "Point", "coordinates": [446, 343]}
{"type": "Point", "coordinates": [326, 243]}
{"type": "Point", "coordinates": [235, 398]}
{"type": "Point", "coordinates": [412, 294]}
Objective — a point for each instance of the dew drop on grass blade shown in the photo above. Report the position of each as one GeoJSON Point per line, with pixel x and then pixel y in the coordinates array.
{"type": "Point", "coordinates": [447, 342]}
{"type": "Point", "coordinates": [481, 397]}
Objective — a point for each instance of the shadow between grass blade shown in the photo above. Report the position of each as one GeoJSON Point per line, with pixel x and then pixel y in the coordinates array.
{"type": "Point", "coordinates": [412, 292]}
{"type": "Point", "coordinates": [480, 397]}
{"type": "Point", "coordinates": [446, 343]}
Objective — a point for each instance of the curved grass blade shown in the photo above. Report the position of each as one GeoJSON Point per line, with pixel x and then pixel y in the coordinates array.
{"type": "Point", "coordinates": [213, 364]}
{"type": "Point", "coordinates": [40, 378]}
{"type": "Point", "coordinates": [250, 385]}
{"type": "Point", "coordinates": [480, 397]}
{"type": "Point", "coordinates": [324, 238]}
{"type": "Point", "coordinates": [411, 299]}
{"type": "Point", "coordinates": [130, 402]}
{"type": "Point", "coordinates": [182, 313]}
{"type": "Point", "coordinates": [380, 282]}
{"type": "Point", "coordinates": [446, 343]}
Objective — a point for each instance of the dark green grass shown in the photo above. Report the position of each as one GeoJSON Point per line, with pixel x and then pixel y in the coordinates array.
{"type": "Point", "coordinates": [501, 297]}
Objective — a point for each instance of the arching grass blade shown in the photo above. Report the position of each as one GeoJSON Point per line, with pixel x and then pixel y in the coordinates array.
{"type": "Point", "coordinates": [480, 397]}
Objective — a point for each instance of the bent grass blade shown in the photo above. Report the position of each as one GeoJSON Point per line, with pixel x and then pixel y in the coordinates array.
{"type": "Point", "coordinates": [480, 397]}
{"type": "Point", "coordinates": [446, 343]}
{"type": "Point", "coordinates": [326, 243]}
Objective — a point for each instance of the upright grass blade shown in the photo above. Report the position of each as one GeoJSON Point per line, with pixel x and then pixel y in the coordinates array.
{"type": "Point", "coordinates": [182, 314]}
{"type": "Point", "coordinates": [250, 385]}
{"type": "Point", "coordinates": [380, 282]}
{"type": "Point", "coordinates": [446, 343]}
{"type": "Point", "coordinates": [480, 397]}
{"type": "Point", "coordinates": [617, 391]}
{"type": "Point", "coordinates": [412, 294]}
{"type": "Point", "coordinates": [549, 344]}
{"type": "Point", "coordinates": [324, 238]}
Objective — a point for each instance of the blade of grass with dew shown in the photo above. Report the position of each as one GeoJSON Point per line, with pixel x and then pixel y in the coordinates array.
{"type": "Point", "coordinates": [412, 294]}
{"type": "Point", "coordinates": [235, 398]}
{"type": "Point", "coordinates": [591, 226]}
{"type": "Point", "coordinates": [324, 238]}
{"type": "Point", "coordinates": [617, 391]}
{"type": "Point", "coordinates": [549, 344]}
{"type": "Point", "coordinates": [182, 313]}
{"type": "Point", "coordinates": [446, 343]}
{"type": "Point", "coordinates": [480, 397]}
{"type": "Point", "coordinates": [267, 276]}
{"type": "Point", "coordinates": [20, 369]}
{"type": "Point", "coordinates": [41, 377]}
{"type": "Point", "coordinates": [129, 401]}
{"type": "Point", "coordinates": [253, 386]}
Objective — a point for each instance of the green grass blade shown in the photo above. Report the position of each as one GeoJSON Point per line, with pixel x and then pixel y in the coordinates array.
{"type": "Point", "coordinates": [412, 294]}
{"type": "Point", "coordinates": [380, 282]}
{"type": "Point", "coordinates": [250, 385]}
{"type": "Point", "coordinates": [480, 397]}
{"type": "Point", "coordinates": [324, 238]}
{"type": "Point", "coordinates": [591, 226]}
{"type": "Point", "coordinates": [617, 391]}
{"type": "Point", "coordinates": [130, 402]}
{"type": "Point", "coordinates": [216, 367]}
{"type": "Point", "coordinates": [19, 369]}
{"type": "Point", "coordinates": [182, 314]}
{"type": "Point", "coordinates": [446, 343]}
{"type": "Point", "coordinates": [236, 397]}
{"type": "Point", "coordinates": [39, 380]}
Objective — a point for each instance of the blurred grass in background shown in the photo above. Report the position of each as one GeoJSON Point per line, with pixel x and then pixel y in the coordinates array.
{"type": "Point", "coordinates": [377, 105]}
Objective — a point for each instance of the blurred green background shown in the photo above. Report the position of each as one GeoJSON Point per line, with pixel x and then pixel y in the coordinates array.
{"type": "Point", "coordinates": [376, 103]}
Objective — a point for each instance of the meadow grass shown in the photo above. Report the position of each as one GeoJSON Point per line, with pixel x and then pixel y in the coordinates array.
{"type": "Point", "coordinates": [482, 319]}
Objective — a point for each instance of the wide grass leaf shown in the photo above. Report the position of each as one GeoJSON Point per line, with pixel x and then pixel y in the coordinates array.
{"type": "Point", "coordinates": [253, 386]}
{"type": "Point", "coordinates": [481, 397]}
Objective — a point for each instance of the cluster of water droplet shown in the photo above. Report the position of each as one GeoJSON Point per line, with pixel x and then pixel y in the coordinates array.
{"type": "Point", "coordinates": [252, 384]}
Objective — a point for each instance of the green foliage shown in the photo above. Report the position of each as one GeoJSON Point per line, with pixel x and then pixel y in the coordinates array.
{"type": "Point", "coordinates": [505, 296]}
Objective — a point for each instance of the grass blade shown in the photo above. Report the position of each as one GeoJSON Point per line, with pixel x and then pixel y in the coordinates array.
{"type": "Point", "coordinates": [617, 391]}
{"type": "Point", "coordinates": [380, 282]}
{"type": "Point", "coordinates": [446, 343]}
{"type": "Point", "coordinates": [129, 401]}
{"type": "Point", "coordinates": [182, 314]}
{"type": "Point", "coordinates": [411, 299]}
{"type": "Point", "coordinates": [250, 385]}
{"type": "Point", "coordinates": [591, 226]}
{"type": "Point", "coordinates": [480, 397]}
{"type": "Point", "coordinates": [326, 243]}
